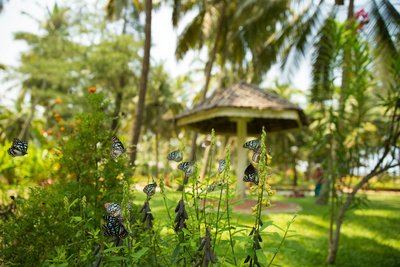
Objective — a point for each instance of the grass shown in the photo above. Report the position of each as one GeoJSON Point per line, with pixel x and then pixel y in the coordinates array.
{"type": "Point", "coordinates": [370, 235]}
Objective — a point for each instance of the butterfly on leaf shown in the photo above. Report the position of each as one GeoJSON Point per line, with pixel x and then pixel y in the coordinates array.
{"type": "Point", "coordinates": [114, 227]}
{"type": "Point", "coordinates": [150, 189]}
{"type": "Point", "coordinates": [117, 148]}
{"type": "Point", "coordinates": [187, 167]}
{"type": "Point", "coordinates": [251, 174]}
{"type": "Point", "coordinates": [175, 156]}
{"type": "Point", "coordinates": [221, 165]}
{"type": "Point", "coordinates": [113, 209]}
{"type": "Point", "coordinates": [18, 148]}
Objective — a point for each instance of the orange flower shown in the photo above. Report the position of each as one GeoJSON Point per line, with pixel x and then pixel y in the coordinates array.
{"type": "Point", "coordinates": [72, 124]}
{"type": "Point", "coordinates": [59, 152]}
{"type": "Point", "coordinates": [56, 115]}
{"type": "Point", "coordinates": [58, 100]}
{"type": "Point", "coordinates": [92, 89]}
{"type": "Point", "coordinates": [42, 132]}
{"type": "Point", "coordinates": [62, 128]}
{"type": "Point", "coordinates": [78, 121]}
{"type": "Point", "coordinates": [49, 131]}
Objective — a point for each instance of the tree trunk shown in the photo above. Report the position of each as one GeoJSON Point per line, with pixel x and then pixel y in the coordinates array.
{"type": "Point", "coordinates": [143, 83]}
{"type": "Point", "coordinates": [23, 134]}
{"type": "Point", "coordinates": [157, 151]}
{"type": "Point", "coordinates": [117, 109]}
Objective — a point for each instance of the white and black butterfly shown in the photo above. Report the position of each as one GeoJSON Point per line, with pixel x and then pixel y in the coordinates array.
{"type": "Point", "coordinates": [252, 145]}
{"type": "Point", "coordinates": [175, 156]}
{"type": "Point", "coordinates": [150, 189]}
{"type": "Point", "coordinates": [255, 146]}
{"type": "Point", "coordinates": [221, 165]}
{"type": "Point", "coordinates": [187, 167]}
{"type": "Point", "coordinates": [18, 148]}
{"type": "Point", "coordinates": [117, 148]}
{"type": "Point", "coordinates": [251, 174]}
{"type": "Point", "coordinates": [113, 209]}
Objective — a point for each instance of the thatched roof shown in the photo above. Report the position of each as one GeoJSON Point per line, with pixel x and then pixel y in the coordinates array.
{"type": "Point", "coordinates": [260, 108]}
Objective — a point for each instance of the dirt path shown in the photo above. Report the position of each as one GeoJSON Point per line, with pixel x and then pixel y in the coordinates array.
{"type": "Point", "coordinates": [276, 207]}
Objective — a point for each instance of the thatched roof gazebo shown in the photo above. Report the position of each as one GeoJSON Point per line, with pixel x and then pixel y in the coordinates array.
{"type": "Point", "coordinates": [242, 109]}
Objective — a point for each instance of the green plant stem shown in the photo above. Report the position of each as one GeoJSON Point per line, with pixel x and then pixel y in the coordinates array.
{"type": "Point", "coordinates": [283, 239]}
{"type": "Point", "coordinates": [229, 221]}
{"type": "Point", "coordinates": [217, 220]}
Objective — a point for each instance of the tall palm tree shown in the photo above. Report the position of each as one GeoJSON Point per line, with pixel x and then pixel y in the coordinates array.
{"type": "Point", "coordinates": [115, 7]}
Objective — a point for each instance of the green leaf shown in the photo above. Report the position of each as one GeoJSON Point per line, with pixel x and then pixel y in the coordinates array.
{"type": "Point", "coordinates": [261, 257]}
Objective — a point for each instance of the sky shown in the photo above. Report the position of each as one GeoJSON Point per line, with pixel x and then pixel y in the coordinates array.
{"type": "Point", "coordinates": [164, 37]}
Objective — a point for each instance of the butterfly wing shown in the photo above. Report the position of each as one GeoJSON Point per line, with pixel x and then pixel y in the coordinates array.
{"type": "Point", "coordinates": [187, 167]}
{"type": "Point", "coordinates": [114, 227]}
{"type": "Point", "coordinates": [117, 148]}
{"type": "Point", "coordinates": [221, 166]}
{"type": "Point", "coordinates": [251, 174]}
{"type": "Point", "coordinates": [18, 148]}
{"type": "Point", "coordinates": [252, 144]}
{"type": "Point", "coordinates": [175, 156]}
{"type": "Point", "coordinates": [113, 209]}
{"type": "Point", "coordinates": [150, 189]}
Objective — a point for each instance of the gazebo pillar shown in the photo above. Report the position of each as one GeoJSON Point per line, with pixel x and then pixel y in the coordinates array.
{"type": "Point", "coordinates": [241, 130]}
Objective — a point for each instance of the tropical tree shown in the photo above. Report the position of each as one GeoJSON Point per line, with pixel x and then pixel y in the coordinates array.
{"type": "Point", "coordinates": [113, 63]}
{"type": "Point", "coordinates": [49, 68]}
{"type": "Point", "coordinates": [115, 8]}
{"type": "Point", "coordinates": [353, 125]}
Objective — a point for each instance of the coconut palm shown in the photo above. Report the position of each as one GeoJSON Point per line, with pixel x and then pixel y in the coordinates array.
{"type": "Point", "coordinates": [115, 8]}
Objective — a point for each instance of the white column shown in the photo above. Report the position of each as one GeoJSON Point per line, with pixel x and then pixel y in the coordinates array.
{"type": "Point", "coordinates": [241, 131]}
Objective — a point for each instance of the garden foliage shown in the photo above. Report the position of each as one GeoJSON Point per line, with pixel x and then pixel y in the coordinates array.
{"type": "Point", "coordinates": [61, 224]}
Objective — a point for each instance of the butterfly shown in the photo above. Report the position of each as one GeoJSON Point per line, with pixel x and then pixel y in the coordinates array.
{"type": "Point", "coordinates": [255, 146]}
{"type": "Point", "coordinates": [113, 209]}
{"type": "Point", "coordinates": [150, 189]}
{"type": "Point", "coordinates": [251, 174]}
{"type": "Point", "coordinates": [252, 145]}
{"type": "Point", "coordinates": [175, 156]}
{"type": "Point", "coordinates": [117, 148]}
{"type": "Point", "coordinates": [222, 165]}
{"type": "Point", "coordinates": [18, 148]}
{"type": "Point", "coordinates": [114, 227]}
{"type": "Point", "coordinates": [187, 167]}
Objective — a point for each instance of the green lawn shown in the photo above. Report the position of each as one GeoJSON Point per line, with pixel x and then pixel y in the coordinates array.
{"type": "Point", "coordinates": [370, 235]}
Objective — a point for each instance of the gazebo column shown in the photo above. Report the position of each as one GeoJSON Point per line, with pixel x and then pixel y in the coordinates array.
{"type": "Point", "coordinates": [241, 130]}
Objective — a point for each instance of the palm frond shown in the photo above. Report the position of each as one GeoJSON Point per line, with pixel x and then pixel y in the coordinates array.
{"type": "Point", "coordinates": [385, 23]}
{"type": "Point", "coordinates": [191, 37]}
{"type": "Point", "coordinates": [323, 61]}
{"type": "Point", "coordinates": [300, 44]}
{"type": "Point", "coordinates": [176, 12]}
